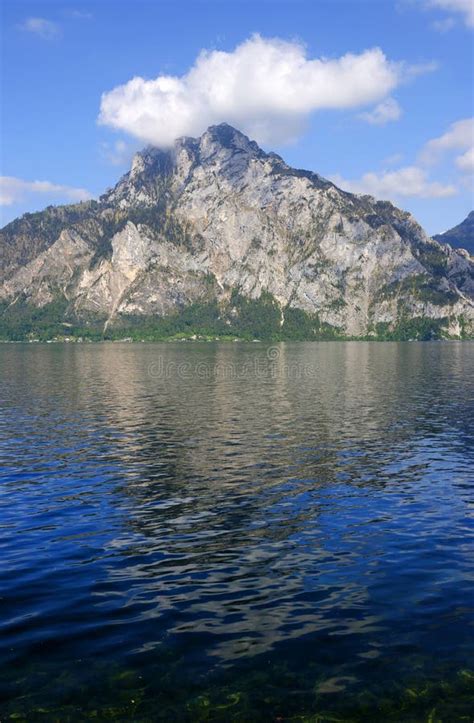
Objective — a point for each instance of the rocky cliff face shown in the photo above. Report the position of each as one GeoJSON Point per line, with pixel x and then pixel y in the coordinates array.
{"type": "Point", "coordinates": [215, 218]}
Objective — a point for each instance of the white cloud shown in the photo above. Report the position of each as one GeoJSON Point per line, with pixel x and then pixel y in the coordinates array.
{"type": "Point", "coordinates": [266, 87]}
{"type": "Point", "coordinates": [414, 181]}
{"type": "Point", "coordinates": [466, 161]}
{"type": "Point", "coordinates": [45, 29]}
{"type": "Point", "coordinates": [459, 136]}
{"type": "Point", "coordinates": [409, 181]}
{"type": "Point", "coordinates": [14, 190]}
{"type": "Point", "coordinates": [386, 111]}
{"type": "Point", "coordinates": [463, 7]}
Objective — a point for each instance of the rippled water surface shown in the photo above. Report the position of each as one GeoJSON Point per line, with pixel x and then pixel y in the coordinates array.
{"type": "Point", "coordinates": [237, 532]}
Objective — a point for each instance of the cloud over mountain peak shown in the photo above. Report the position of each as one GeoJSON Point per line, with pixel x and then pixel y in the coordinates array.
{"type": "Point", "coordinates": [266, 86]}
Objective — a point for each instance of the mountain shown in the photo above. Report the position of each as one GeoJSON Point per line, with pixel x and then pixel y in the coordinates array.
{"type": "Point", "coordinates": [461, 236]}
{"type": "Point", "coordinates": [217, 237]}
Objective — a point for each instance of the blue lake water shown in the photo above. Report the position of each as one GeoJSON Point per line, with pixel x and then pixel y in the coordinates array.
{"type": "Point", "coordinates": [237, 531]}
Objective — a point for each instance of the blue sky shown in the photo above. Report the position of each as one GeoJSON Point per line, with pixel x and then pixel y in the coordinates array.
{"type": "Point", "coordinates": [303, 77]}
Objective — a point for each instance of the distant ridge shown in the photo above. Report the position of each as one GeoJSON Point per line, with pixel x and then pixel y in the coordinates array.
{"type": "Point", "coordinates": [461, 236]}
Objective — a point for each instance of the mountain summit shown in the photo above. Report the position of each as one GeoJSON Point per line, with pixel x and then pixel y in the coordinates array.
{"type": "Point", "coordinates": [218, 235]}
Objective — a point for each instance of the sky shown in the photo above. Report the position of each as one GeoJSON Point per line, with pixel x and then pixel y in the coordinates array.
{"type": "Point", "coordinates": [376, 95]}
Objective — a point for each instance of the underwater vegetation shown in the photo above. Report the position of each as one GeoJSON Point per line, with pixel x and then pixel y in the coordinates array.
{"type": "Point", "coordinates": [260, 695]}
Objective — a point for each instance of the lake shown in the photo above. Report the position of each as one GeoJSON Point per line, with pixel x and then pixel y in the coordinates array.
{"type": "Point", "coordinates": [237, 531]}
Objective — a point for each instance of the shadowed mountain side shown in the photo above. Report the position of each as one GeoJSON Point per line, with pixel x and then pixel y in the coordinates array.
{"type": "Point", "coordinates": [461, 236]}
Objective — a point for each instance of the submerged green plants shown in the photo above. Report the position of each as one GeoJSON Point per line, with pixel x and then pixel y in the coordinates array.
{"type": "Point", "coordinates": [258, 695]}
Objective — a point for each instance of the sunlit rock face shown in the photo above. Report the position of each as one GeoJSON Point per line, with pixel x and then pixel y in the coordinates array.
{"type": "Point", "coordinates": [216, 215]}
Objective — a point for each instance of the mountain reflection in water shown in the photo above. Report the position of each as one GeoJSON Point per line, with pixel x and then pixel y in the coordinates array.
{"type": "Point", "coordinates": [236, 531]}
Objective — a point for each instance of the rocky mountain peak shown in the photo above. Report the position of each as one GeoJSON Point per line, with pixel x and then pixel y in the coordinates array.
{"type": "Point", "coordinates": [217, 222]}
{"type": "Point", "coordinates": [146, 159]}
{"type": "Point", "coordinates": [221, 150]}
{"type": "Point", "coordinates": [218, 139]}
{"type": "Point", "coordinates": [221, 146]}
{"type": "Point", "coordinates": [224, 136]}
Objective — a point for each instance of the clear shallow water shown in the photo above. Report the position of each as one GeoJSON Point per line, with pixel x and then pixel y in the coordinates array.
{"type": "Point", "coordinates": [237, 531]}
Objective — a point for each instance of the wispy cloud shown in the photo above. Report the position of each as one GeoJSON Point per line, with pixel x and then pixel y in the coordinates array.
{"type": "Point", "coordinates": [14, 190]}
{"type": "Point", "coordinates": [412, 71]}
{"type": "Point", "coordinates": [464, 8]}
{"type": "Point", "coordinates": [458, 137]}
{"type": "Point", "coordinates": [410, 181]}
{"type": "Point", "coordinates": [443, 26]}
{"type": "Point", "coordinates": [45, 29]}
{"type": "Point", "coordinates": [393, 159]}
{"type": "Point", "coordinates": [385, 112]}
{"type": "Point", "coordinates": [266, 86]}
{"type": "Point", "coordinates": [79, 14]}
{"type": "Point", "coordinates": [118, 153]}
